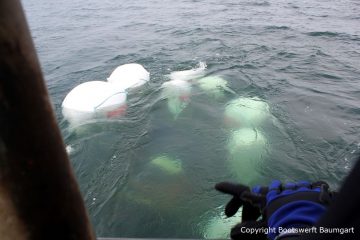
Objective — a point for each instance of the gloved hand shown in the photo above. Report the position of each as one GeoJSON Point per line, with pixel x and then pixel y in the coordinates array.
{"type": "Point", "coordinates": [252, 204]}
{"type": "Point", "coordinates": [289, 206]}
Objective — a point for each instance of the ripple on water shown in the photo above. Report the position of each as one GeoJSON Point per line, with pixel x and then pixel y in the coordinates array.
{"type": "Point", "coordinates": [277, 27]}
{"type": "Point", "coordinates": [323, 34]}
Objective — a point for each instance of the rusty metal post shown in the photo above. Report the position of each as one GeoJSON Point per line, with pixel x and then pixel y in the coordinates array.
{"type": "Point", "coordinates": [36, 178]}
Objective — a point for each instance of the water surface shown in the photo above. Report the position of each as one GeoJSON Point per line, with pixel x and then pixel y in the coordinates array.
{"type": "Point", "coordinates": [302, 58]}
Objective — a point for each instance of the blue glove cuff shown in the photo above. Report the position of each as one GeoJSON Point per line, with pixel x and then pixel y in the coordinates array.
{"type": "Point", "coordinates": [295, 214]}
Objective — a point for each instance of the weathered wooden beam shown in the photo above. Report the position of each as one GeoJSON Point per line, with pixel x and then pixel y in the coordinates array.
{"type": "Point", "coordinates": [36, 179]}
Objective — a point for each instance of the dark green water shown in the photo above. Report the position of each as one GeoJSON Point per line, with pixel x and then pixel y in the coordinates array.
{"type": "Point", "coordinates": [303, 59]}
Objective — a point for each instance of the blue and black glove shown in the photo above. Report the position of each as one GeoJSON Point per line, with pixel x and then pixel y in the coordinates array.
{"type": "Point", "coordinates": [293, 205]}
